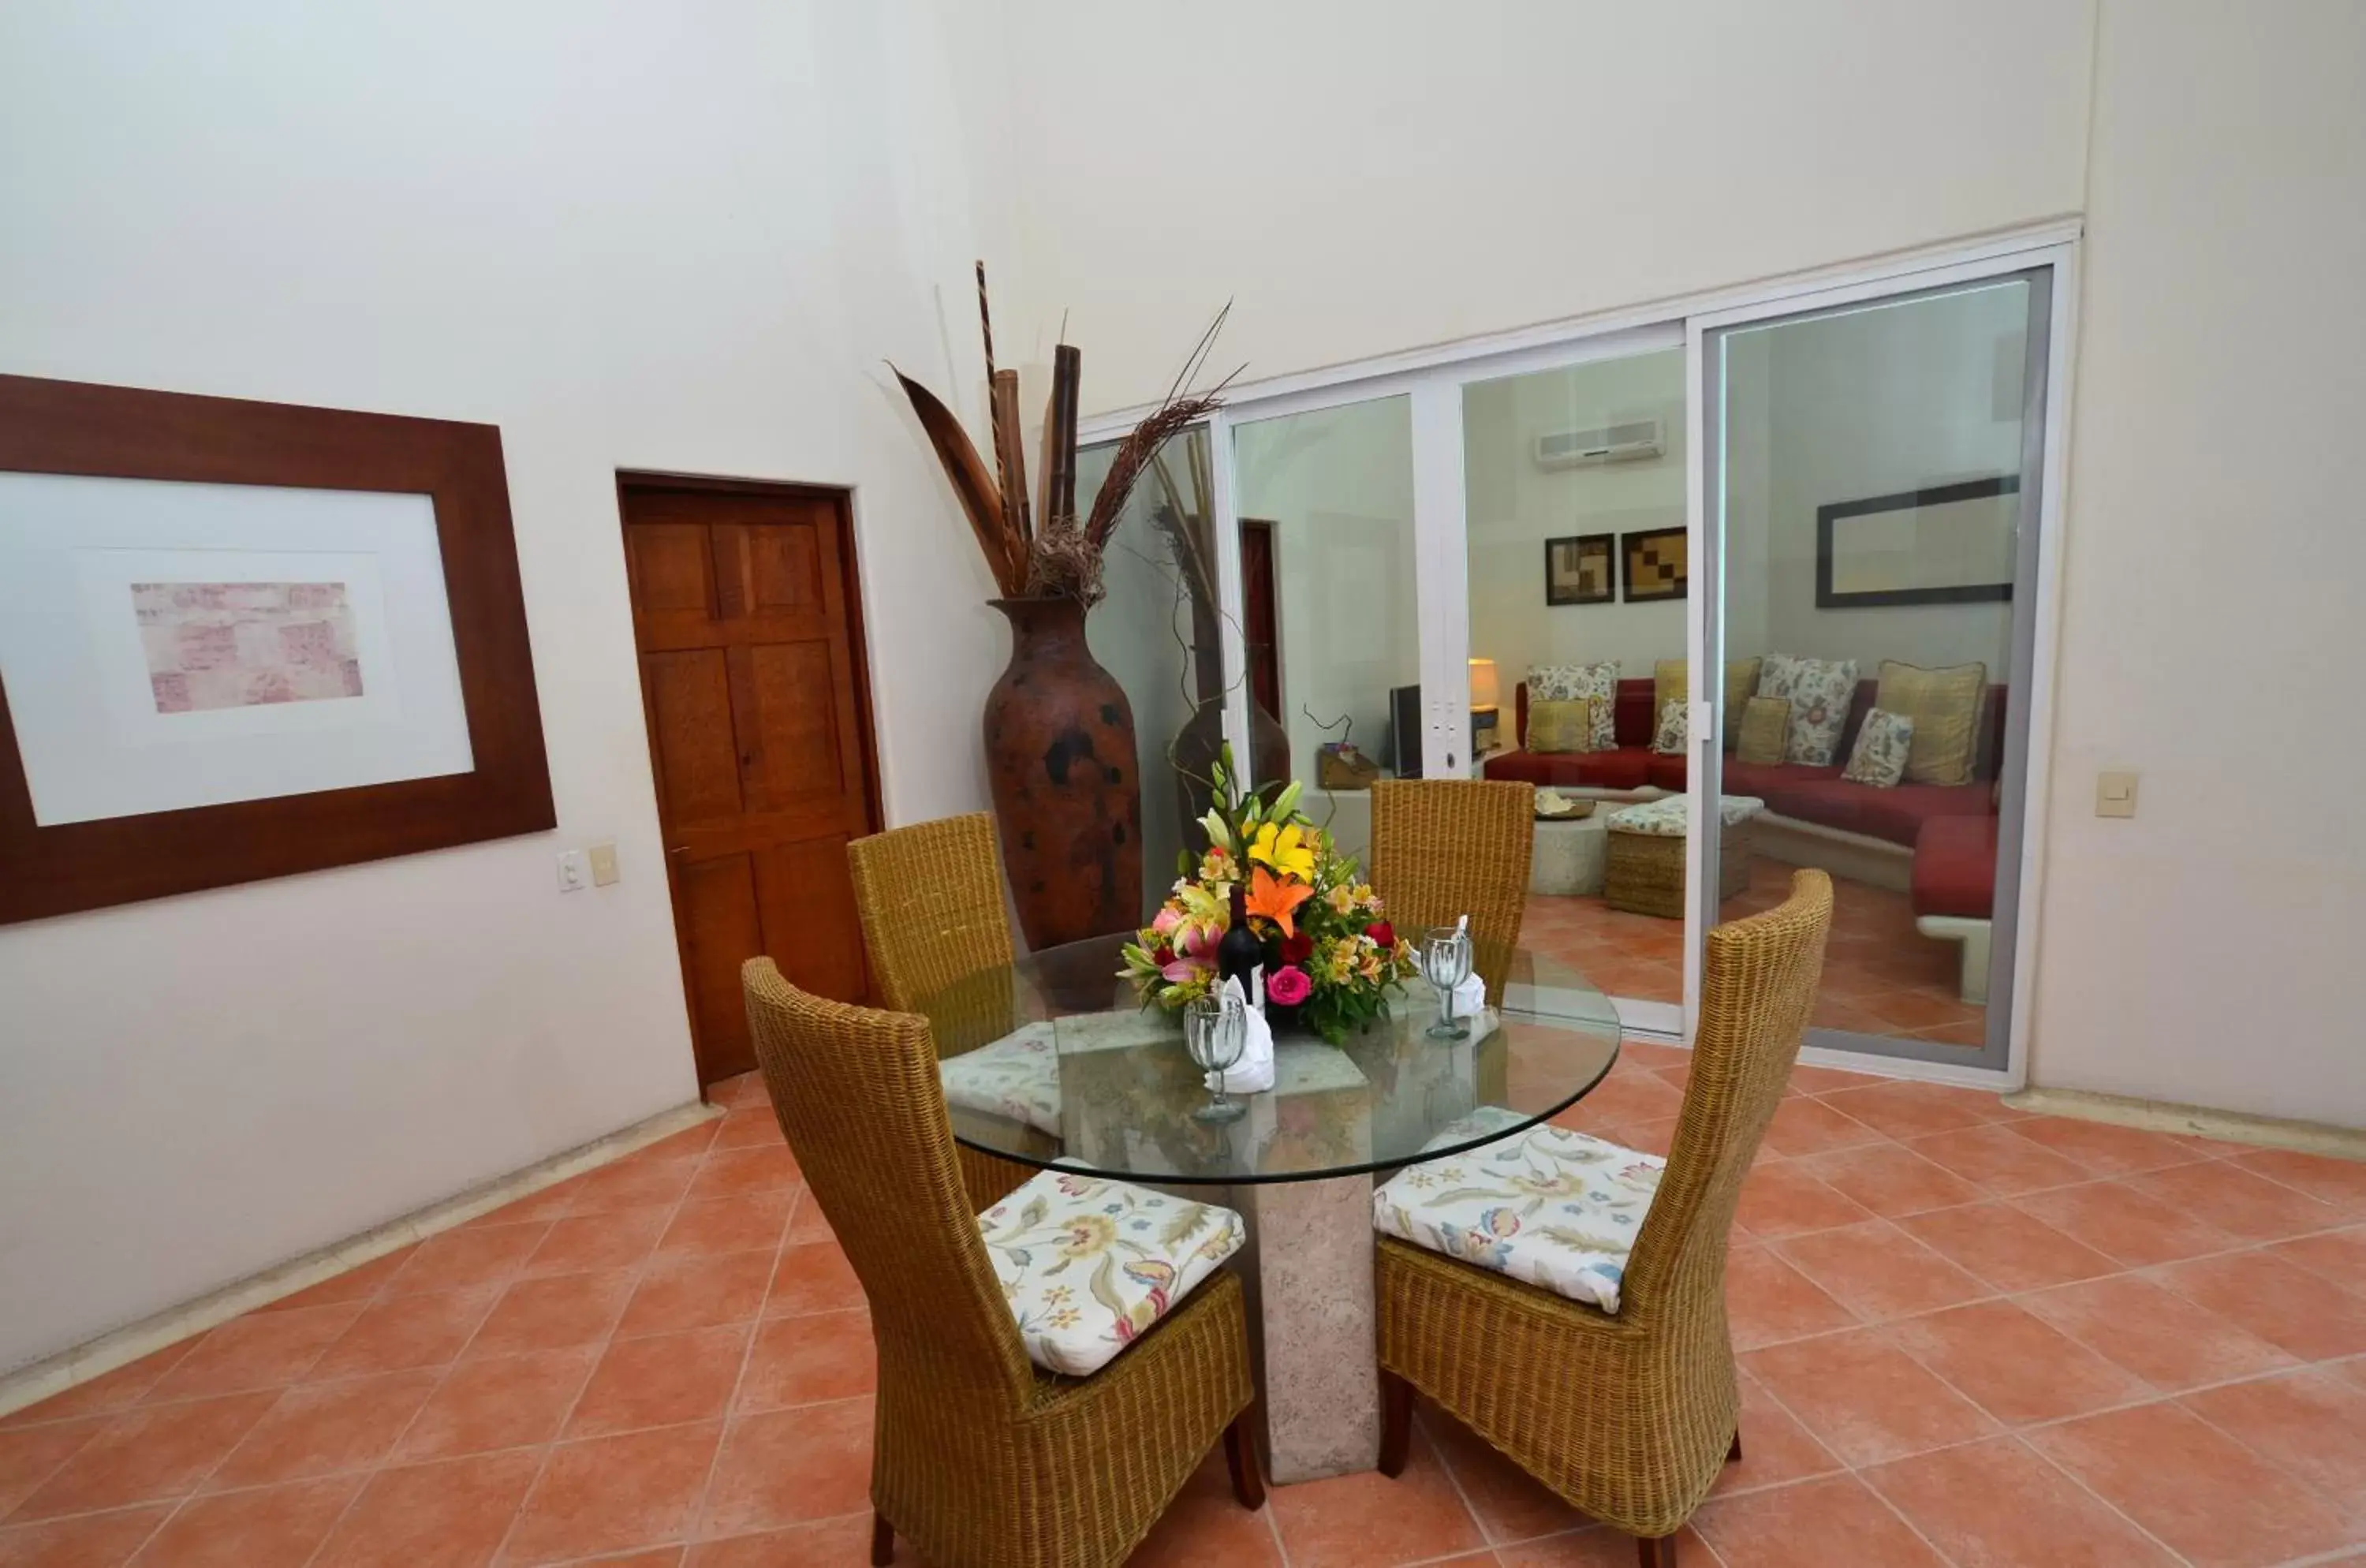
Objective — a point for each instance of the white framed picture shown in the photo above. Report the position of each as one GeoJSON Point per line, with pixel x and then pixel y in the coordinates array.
{"type": "Point", "coordinates": [168, 645]}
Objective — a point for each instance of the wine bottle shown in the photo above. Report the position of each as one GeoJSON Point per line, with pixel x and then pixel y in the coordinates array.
{"type": "Point", "coordinates": [1240, 955]}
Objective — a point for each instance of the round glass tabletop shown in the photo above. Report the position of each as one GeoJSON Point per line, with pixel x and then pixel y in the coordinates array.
{"type": "Point", "coordinates": [1051, 1060]}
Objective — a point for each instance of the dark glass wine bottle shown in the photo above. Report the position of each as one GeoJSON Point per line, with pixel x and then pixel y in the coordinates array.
{"type": "Point", "coordinates": [1239, 953]}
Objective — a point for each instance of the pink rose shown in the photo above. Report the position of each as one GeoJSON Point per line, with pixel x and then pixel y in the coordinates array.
{"type": "Point", "coordinates": [1288, 986]}
{"type": "Point", "coordinates": [1166, 919]}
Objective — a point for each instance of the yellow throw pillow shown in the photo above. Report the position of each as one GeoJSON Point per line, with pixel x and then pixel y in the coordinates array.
{"type": "Point", "coordinates": [1765, 725]}
{"type": "Point", "coordinates": [1946, 707]}
{"type": "Point", "coordinates": [1561, 727]}
{"type": "Point", "coordinates": [1670, 684]}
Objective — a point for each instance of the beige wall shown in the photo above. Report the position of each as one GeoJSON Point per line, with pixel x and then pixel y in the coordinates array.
{"type": "Point", "coordinates": [628, 242]}
{"type": "Point", "coordinates": [1364, 175]}
{"type": "Point", "coordinates": [2205, 951]}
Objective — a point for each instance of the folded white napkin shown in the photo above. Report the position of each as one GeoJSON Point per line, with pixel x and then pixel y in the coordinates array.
{"type": "Point", "coordinates": [1253, 1074]}
{"type": "Point", "coordinates": [1470, 997]}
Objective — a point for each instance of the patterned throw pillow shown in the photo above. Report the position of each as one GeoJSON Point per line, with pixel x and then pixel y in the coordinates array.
{"type": "Point", "coordinates": [1668, 740]}
{"type": "Point", "coordinates": [1883, 743]}
{"type": "Point", "coordinates": [1577, 683]}
{"type": "Point", "coordinates": [1765, 725]}
{"type": "Point", "coordinates": [1946, 707]}
{"type": "Point", "coordinates": [1820, 691]}
{"type": "Point", "coordinates": [1561, 727]}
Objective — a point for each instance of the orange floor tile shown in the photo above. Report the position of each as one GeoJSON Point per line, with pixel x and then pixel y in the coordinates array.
{"type": "Point", "coordinates": [1966, 1337]}
{"type": "Point", "coordinates": [1881, 975]}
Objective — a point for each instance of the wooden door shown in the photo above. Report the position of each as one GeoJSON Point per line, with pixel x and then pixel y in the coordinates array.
{"type": "Point", "coordinates": [754, 685]}
{"type": "Point", "coordinates": [1260, 617]}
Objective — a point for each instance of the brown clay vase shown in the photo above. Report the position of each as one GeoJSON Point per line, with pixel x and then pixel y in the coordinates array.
{"type": "Point", "coordinates": [1068, 789]}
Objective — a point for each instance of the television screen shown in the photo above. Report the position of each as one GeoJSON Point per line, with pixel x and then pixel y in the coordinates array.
{"type": "Point", "coordinates": [1405, 731]}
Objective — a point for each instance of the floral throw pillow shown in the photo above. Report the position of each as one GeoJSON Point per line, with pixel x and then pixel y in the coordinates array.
{"type": "Point", "coordinates": [1668, 739]}
{"type": "Point", "coordinates": [1820, 691]}
{"type": "Point", "coordinates": [1579, 684]}
{"type": "Point", "coordinates": [1883, 741]}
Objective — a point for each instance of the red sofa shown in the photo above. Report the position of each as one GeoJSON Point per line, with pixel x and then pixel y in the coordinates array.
{"type": "Point", "coordinates": [1954, 826]}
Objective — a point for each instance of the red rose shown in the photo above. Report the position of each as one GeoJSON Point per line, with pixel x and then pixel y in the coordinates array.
{"type": "Point", "coordinates": [1163, 956]}
{"type": "Point", "coordinates": [1297, 948]}
{"type": "Point", "coordinates": [1382, 932]}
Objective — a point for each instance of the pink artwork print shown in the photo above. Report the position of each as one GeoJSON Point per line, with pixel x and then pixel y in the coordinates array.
{"type": "Point", "coordinates": [234, 645]}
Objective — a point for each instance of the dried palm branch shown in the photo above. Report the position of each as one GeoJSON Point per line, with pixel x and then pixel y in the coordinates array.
{"type": "Point", "coordinates": [975, 486]}
{"type": "Point", "coordinates": [1010, 455]}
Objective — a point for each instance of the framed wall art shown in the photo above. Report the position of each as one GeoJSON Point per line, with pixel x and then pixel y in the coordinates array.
{"type": "Point", "coordinates": [1581, 569]}
{"type": "Point", "coordinates": [1655, 565]}
{"type": "Point", "coordinates": [1951, 543]}
{"type": "Point", "coordinates": [240, 640]}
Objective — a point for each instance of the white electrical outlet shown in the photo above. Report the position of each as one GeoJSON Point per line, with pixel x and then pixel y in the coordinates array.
{"type": "Point", "coordinates": [574, 876]}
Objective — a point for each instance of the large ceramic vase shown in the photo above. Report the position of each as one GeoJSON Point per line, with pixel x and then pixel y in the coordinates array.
{"type": "Point", "coordinates": [1067, 787]}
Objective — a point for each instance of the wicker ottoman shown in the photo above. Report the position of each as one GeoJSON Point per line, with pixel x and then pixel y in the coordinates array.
{"type": "Point", "coordinates": [1646, 869]}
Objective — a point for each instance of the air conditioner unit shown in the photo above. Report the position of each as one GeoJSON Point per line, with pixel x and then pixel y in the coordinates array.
{"type": "Point", "coordinates": [1622, 443]}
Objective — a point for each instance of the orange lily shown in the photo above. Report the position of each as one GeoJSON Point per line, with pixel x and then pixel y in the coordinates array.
{"type": "Point", "coordinates": [1275, 897]}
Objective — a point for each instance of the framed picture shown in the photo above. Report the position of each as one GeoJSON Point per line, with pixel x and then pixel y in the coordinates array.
{"type": "Point", "coordinates": [1655, 561]}
{"type": "Point", "coordinates": [240, 640]}
{"type": "Point", "coordinates": [1579, 570]}
{"type": "Point", "coordinates": [1949, 543]}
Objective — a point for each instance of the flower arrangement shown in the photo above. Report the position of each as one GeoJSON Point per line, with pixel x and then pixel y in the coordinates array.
{"type": "Point", "coordinates": [1330, 951]}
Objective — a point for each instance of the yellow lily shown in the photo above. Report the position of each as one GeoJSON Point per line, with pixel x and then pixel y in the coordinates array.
{"type": "Point", "coordinates": [1285, 850]}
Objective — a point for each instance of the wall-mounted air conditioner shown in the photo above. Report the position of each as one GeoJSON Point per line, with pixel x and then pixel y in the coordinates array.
{"type": "Point", "coordinates": [1622, 443]}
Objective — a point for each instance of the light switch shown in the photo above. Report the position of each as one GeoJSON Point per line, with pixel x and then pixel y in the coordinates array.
{"type": "Point", "coordinates": [573, 876]}
{"type": "Point", "coordinates": [2115, 794]}
{"type": "Point", "coordinates": [603, 864]}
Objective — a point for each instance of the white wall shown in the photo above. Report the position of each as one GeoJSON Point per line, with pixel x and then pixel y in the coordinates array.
{"type": "Point", "coordinates": [1514, 506]}
{"type": "Point", "coordinates": [676, 238]}
{"type": "Point", "coordinates": [2205, 951]}
{"type": "Point", "coordinates": [1364, 176]}
{"type": "Point", "coordinates": [1337, 485]}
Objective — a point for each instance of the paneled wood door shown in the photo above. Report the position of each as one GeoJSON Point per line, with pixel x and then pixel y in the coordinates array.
{"type": "Point", "coordinates": [753, 682]}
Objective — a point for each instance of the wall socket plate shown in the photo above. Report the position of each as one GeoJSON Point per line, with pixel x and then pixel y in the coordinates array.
{"type": "Point", "coordinates": [574, 874]}
{"type": "Point", "coordinates": [2115, 794]}
{"type": "Point", "coordinates": [603, 864]}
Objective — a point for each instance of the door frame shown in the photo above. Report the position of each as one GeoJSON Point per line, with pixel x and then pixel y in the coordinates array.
{"type": "Point", "coordinates": [1431, 377]}
{"type": "Point", "coordinates": [842, 500]}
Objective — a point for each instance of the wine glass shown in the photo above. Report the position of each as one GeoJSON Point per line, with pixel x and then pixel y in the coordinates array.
{"type": "Point", "coordinates": [1445, 964]}
{"type": "Point", "coordinates": [1216, 1032]}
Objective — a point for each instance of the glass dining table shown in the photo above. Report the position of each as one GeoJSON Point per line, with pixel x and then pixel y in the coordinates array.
{"type": "Point", "coordinates": [1051, 1060]}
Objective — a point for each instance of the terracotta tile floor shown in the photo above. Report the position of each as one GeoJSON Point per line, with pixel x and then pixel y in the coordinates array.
{"type": "Point", "coordinates": [1968, 1336]}
{"type": "Point", "coordinates": [1881, 975]}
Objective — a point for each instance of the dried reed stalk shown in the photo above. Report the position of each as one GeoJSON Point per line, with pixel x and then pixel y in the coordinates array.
{"type": "Point", "coordinates": [1010, 453]}
{"type": "Point", "coordinates": [981, 500]}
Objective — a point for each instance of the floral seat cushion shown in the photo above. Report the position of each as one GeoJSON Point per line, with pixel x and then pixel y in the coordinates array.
{"type": "Point", "coordinates": [1017, 1076]}
{"type": "Point", "coordinates": [1664, 818]}
{"type": "Point", "coordinates": [1089, 1264]}
{"type": "Point", "coordinates": [1557, 1209]}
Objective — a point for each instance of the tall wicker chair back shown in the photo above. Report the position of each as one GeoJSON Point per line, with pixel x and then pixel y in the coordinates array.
{"type": "Point", "coordinates": [1445, 848]}
{"type": "Point", "coordinates": [978, 1458]}
{"type": "Point", "coordinates": [931, 899]}
{"type": "Point", "coordinates": [1628, 1418]}
{"type": "Point", "coordinates": [936, 931]}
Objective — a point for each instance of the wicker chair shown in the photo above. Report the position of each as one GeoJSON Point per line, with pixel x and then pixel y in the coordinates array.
{"type": "Point", "coordinates": [930, 899]}
{"type": "Point", "coordinates": [1627, 1418]}
{"type": "Point", "coordinates": [978, 1458]}
{"type": "Point", "coordinates": [1445, 848]}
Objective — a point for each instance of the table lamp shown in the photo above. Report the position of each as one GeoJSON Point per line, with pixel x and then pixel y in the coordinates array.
{"type": "Point", "coordinates": [1486, 699]}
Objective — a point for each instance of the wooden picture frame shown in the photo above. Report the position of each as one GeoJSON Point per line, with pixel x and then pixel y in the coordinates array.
{"type": "Point", "coordinates": [1581, 569]}
{"type": "Point", "coordinates": [1653, 568]}
{"type": "Point", "coordinates": [77, 429]}
{"type": "Point", "coordinates": [1986, 530]}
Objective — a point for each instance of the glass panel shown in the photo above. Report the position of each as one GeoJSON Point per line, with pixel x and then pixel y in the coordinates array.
{"type": "Point", "coordinates": [1873, 495]}
{"type": "Point", "coordinates": [1156, 633]}
{"type": "Point", "coordinates": [1328, 582]}
{"type": "Point", "coordinates": [1569, 475]}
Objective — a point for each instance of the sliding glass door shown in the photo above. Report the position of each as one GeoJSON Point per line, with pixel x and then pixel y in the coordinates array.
{"type": "Point", "coordinates": [1872, 474]}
